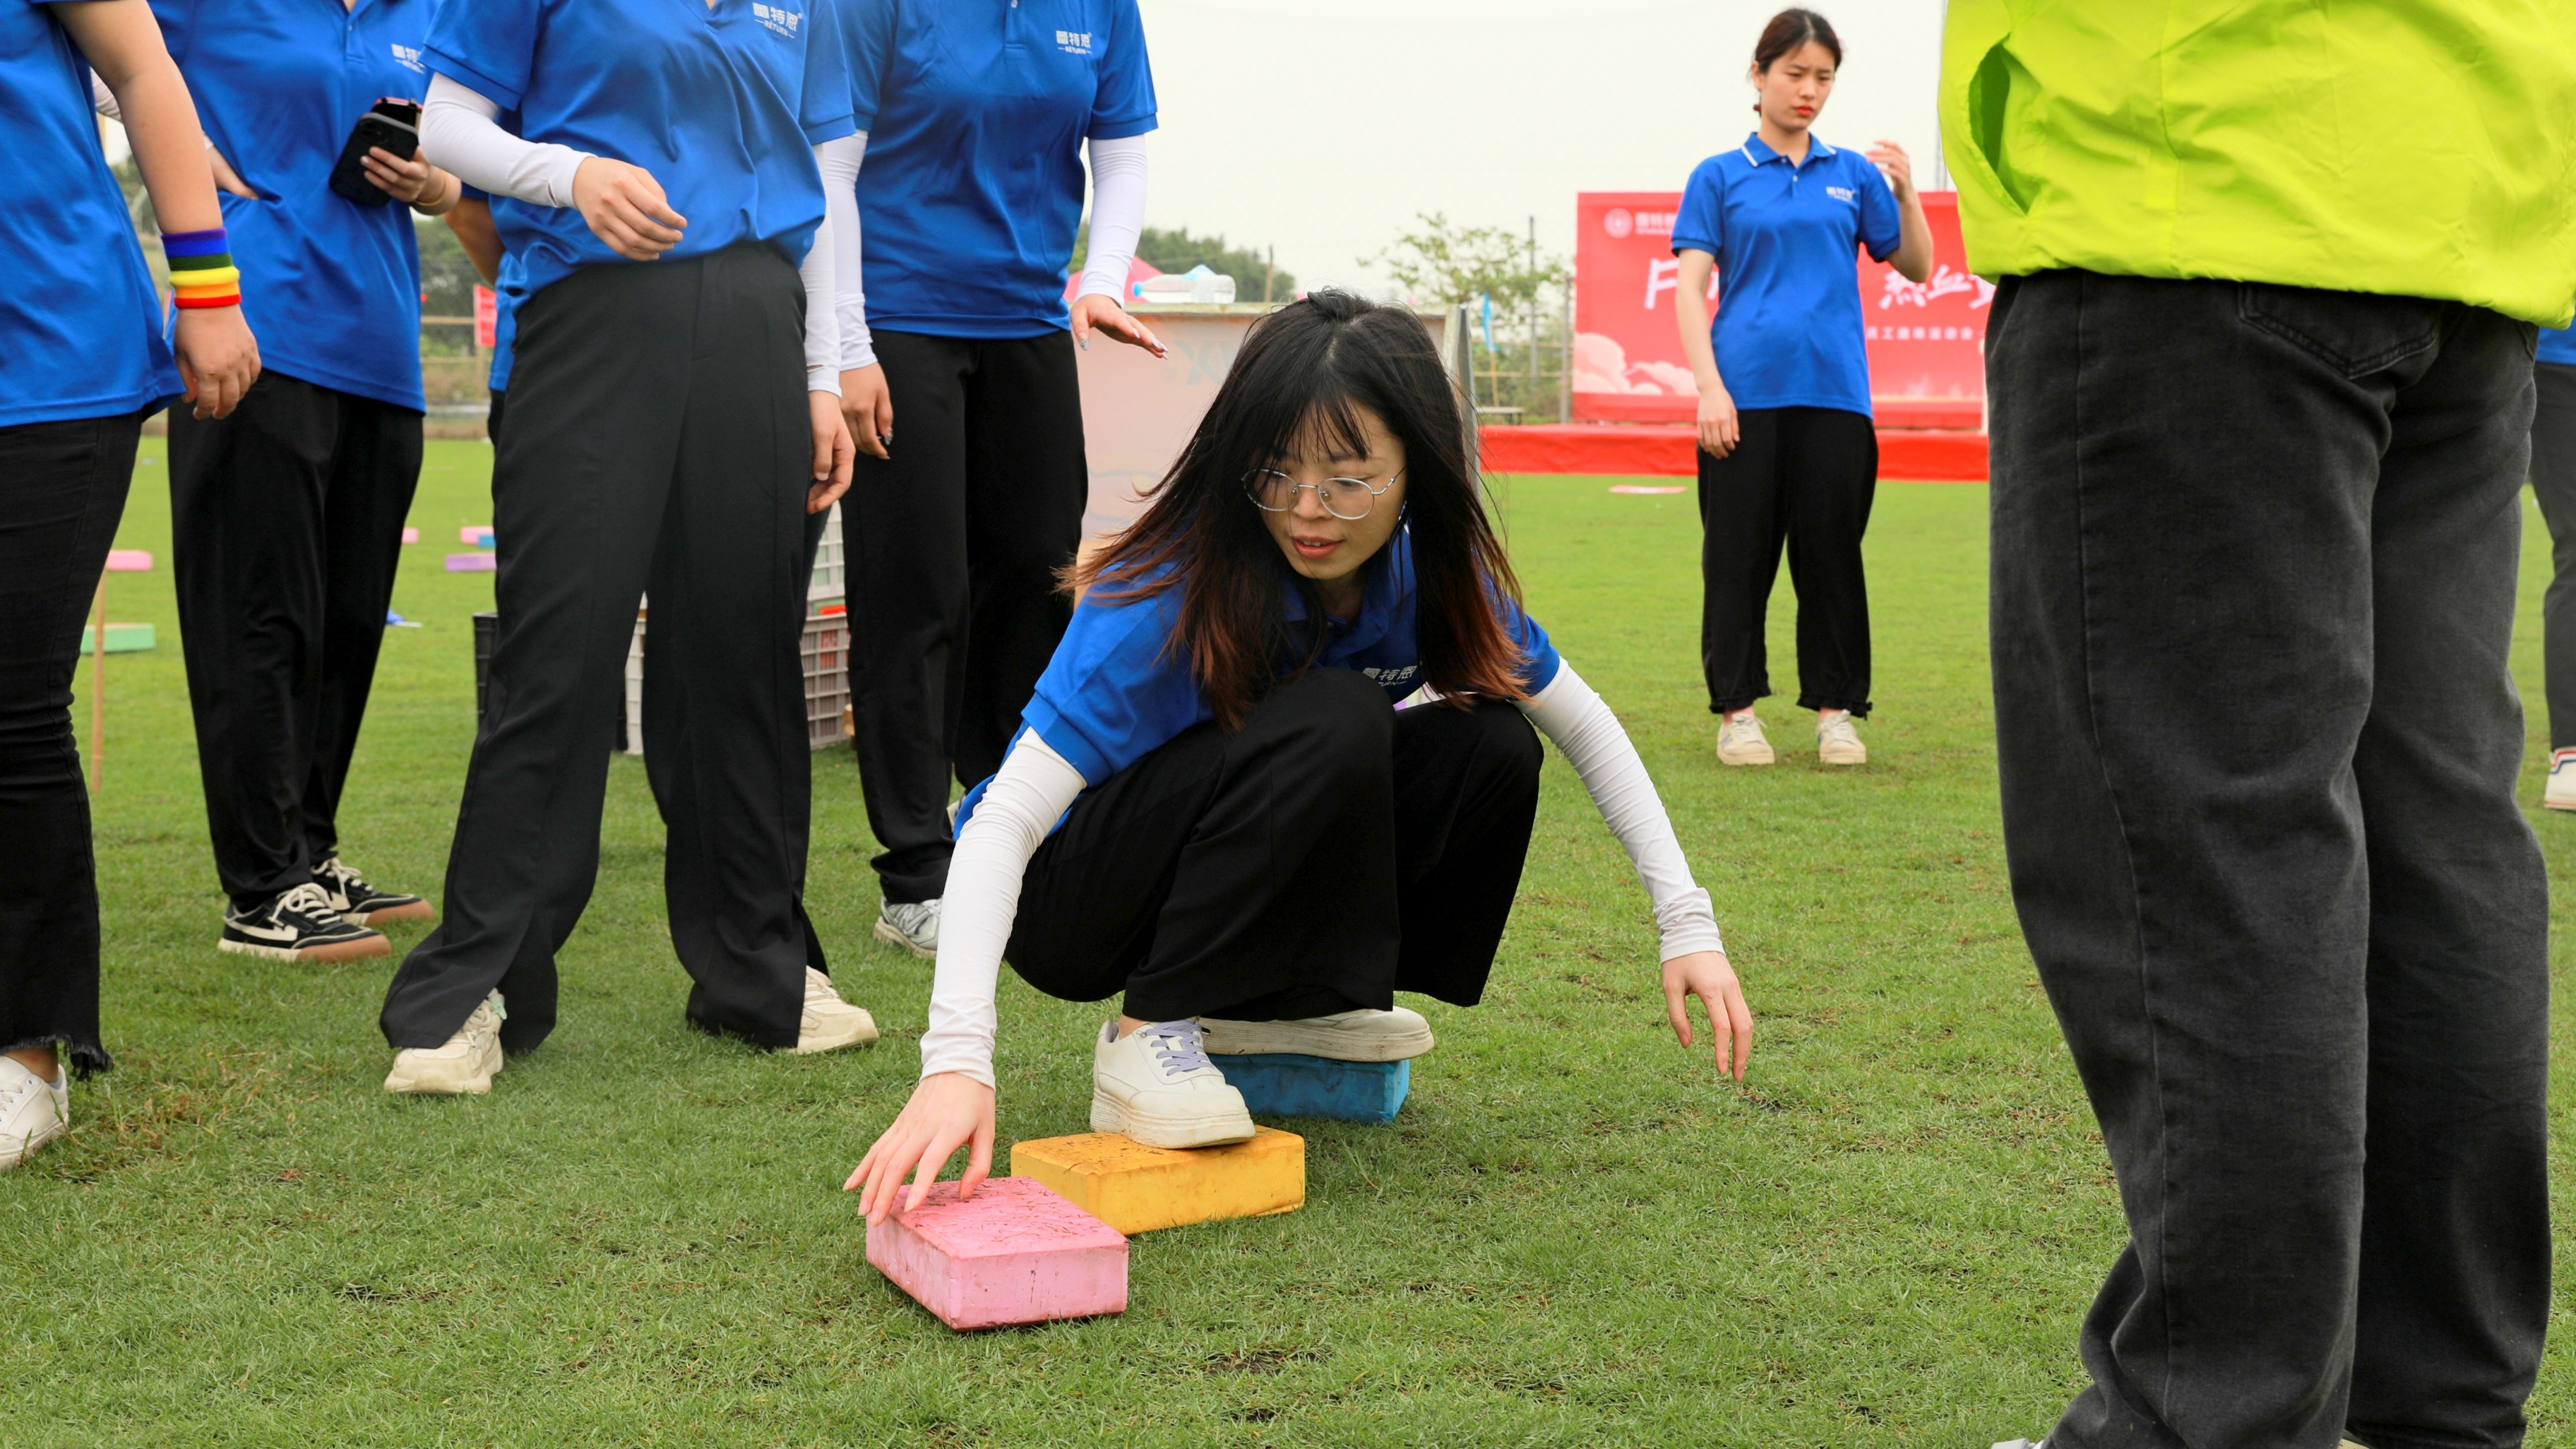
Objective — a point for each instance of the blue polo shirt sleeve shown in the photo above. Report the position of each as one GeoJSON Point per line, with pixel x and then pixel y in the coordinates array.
{"type": "Point", "coordinates": [824, 109]}
{"type": "Point", "coordinates": [1701, 224]}
{"type": "Point", "coordinates": [867, 45]}
{"type": "Point", "coordinates": [1116, 689]}
{"type": "Point", "coordinates": [1124, 104]}
{"type": "Point", "coordinates": [1882, 228]}
{"type": "Point", "coordinates": [1540, 660]}
{"type": "Point", "coordinates": [487, 46]}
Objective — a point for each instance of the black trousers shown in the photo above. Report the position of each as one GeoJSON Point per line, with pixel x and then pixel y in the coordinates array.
{"type": "Point", "coordinates": [286, 526]}
{"type": "Point", "coordinates": [659, 437]}
{"type": "Point", "coordinates": [954, 544]}
{"type": "Point", "coordinates": [2253, 583]}
{"type": "Point", "coordinates": [62, 490]}
{"type": "Point", "coordinates": [1326, 855]}
{"type": "Point", "coordinates": [2553, 484]}
{"type": "Point", "coordinates": [1804, 478]}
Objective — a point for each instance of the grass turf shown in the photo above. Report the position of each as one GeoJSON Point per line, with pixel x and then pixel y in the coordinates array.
{"type": "Point", "coordinates": [1574, 1235]}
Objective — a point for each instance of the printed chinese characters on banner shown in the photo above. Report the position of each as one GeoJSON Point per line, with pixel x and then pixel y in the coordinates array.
{"type": "Point", "coordinates": [1925, 340]}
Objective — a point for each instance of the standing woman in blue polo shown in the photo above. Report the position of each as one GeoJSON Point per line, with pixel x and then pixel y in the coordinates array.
{"type": "Point", "coordinates": [975, 120]}
{"type": "Point", "coordinates": [675, 416]}
{"type": "Point", "coordinates": [287, 517]}
{"type": "Point", "coordinates": [82, 364]}
{"type": "Point", "coordinates": [1787, 450]}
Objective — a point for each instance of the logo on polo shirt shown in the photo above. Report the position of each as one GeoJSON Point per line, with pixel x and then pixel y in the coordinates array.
{"type": "Point", "coordinates": [1843, 193]}
{"type": "Point", "coordinates": [784, 22]}
{"type": "Point", "coordinates": [408, 57]}
{"type": "Point", "coordinates": [1393, 676]}
{"type": "Point", "coordinates": [1073, 42]}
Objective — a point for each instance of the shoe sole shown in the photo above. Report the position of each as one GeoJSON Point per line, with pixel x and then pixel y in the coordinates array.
{"type": "Point", "coordinates": [865, 1032]}
{"type": "Point", "coordinates": [357, 950]}
{"type": "Point", "coordinates": [2554, 805]}
{"type": "Point", "coordinates": [1309, 1042]}
{"type": "Point", "coordinates": [26, 1147]}
{"type": "Point", "coordinates": [1841, 759]}
{"type": "Point", "coordinates": [887, 933]}
{"type": "Point", "coordinates": [416, 911]}
{"type": "Point", "coordinates": [1108, 1115]}
{"type": "Point", "coordinates": [1746, 757]}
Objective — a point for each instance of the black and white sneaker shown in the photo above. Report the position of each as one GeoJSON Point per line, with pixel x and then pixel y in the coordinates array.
{"type": "Point", "coordinates": [367, 905]}
{"type": "Point", "coordinates": [299, 925]}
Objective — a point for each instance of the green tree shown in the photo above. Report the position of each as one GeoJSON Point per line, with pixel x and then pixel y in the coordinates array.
{"type": "Point", "coordinates": [1175, 250]}
{"type": "Point", "coordinates": [1443, 262]}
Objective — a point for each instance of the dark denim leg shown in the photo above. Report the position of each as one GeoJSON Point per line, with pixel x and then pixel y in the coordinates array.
{"type": "Point", "coordinates": [2553, 483]}
{"type": "Point", "coordinates": [2190, 523]}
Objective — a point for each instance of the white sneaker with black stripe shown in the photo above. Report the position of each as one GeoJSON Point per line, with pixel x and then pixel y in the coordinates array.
{"type": "Point", "coordinates": [299, 925]}
{"type": "Point", "coordinates": [913, 925]}
{"type": "Point", "coordinates": [365, 904]}
{"type": "Point", "coordinates": [33, 1111]}
{"type": "Point", "coordinates": [2561, 791]}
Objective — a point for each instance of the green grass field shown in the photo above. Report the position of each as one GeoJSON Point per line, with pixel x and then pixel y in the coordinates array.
{"type": "Point", "coordinates": [1575, 1235]}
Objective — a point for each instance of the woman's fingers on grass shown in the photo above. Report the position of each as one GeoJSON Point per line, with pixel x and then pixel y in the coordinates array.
{"type": "Point", "coordinates": [1677, 1007]}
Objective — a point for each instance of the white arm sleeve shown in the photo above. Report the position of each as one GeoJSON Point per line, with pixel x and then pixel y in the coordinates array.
{"type": "Point", "coordinates": [1030, 794]}
{"type": "Point", "coordinates": [458, 130]}
{"type": "Point", "coordinates": [1568, 712]}
{"type": "Point", "coordinates": [822, 308]}
{"type": "Point", "coordinates": [840, 161]}
{"type": "Point", "coordinates": [103, 100]}
{"type": "Point", "coordinates": [1117, 215]}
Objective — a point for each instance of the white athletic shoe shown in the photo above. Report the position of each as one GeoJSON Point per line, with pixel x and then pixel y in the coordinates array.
{"type": "Point", "coordinates": [466, 1064]}
{"type": "Point", "coordinates": [2021, 1444]}
{"type": "Point", "coordinates": [1156, 1085]}
{"type": "Point", "coordinates": [830, 1023]}
{"type": "Point", "coordinates": [1344, 1036]}
{"type": "Point", "coordinates": [1740, 740]}
{"type": "Point", "coordinates": [914, 926]}
{"type": "Point", "coordinates": [2561, 794]}
{"type": "Point", "coordinates": [33, 1111]}
{"type": "Point", "coordinates": [1837, 741]}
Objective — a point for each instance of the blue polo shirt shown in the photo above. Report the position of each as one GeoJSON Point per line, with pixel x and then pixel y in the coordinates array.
{"type": "Point", "coordinates": [507, 287]}
{"type": "Point", "coordinates": [80, 326]}
{"type": "Point", "coordinates": [2558, 344]}
{"type": "Point", "coordinates": [1116, 691]}
{"type": "Point", "coordinates": [976, 111]}
{"type": "Point", "coordinates": [330, 288]}
{"type": "Point", "coordinates": [1786, 239]}
{"type": "Point", "coordinates": [723, 105]}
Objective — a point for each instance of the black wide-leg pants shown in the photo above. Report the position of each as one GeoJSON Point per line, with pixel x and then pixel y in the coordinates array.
{"type": "Point", "coordinates": [2553, 485]}
{"type": "Point", "coordinates": [1329, 853]}
{"type": "Point", "coordinates": [62, 490]}
{"type": "Point", "coordinates": [286, 524]}
{"type": "Point", "coordinates": [2254, 565]}
{"type": "Point", "coordinates": [659, 438]}
{"type": "Point", "coordinates": [1803, 478]}
{"type": "Point", "coordinates": [954, 543]}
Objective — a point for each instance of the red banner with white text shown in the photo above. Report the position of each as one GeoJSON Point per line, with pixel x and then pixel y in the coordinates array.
{"type": "Point", "coordinates": [1925, 340]}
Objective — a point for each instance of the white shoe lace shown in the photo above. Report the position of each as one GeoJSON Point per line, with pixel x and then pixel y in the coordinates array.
{"type": "Point", "coordinates": [306, 899]}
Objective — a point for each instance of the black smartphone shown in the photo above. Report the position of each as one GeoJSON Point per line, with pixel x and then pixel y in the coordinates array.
{"type": "Point", "coordinates": [392, 123]}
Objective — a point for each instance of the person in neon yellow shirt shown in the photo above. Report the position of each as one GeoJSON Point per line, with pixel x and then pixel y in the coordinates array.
{"type": "Point", "coordinates": [2259, 371]}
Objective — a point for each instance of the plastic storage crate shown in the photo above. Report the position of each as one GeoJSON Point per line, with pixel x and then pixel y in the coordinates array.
{"type": "Point", "coordinates": [830, 573]}
{"type": "Point", "coordinates": [825, 653]}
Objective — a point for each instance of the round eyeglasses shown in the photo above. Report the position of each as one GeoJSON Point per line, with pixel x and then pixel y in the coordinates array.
{"type": "Point", "coordinates": [1348, 499]}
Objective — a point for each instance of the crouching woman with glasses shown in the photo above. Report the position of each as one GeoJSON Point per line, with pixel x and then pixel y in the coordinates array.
{"type": "Point", "coordinates": [1214, 804]}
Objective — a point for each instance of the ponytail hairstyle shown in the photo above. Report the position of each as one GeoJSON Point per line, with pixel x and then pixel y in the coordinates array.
{"type": "Point", "coordinates": [1301, 378]}
{"type": "Point", "coordinates": [1789, 30]}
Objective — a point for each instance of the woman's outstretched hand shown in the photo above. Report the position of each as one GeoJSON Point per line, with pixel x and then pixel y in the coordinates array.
{"type": "Point", "coordinates": [1098, 312]}
{"type": "Point", "coordinates": [948, 1110]}
{"type": "Point", "coordinates": [1706, 975]}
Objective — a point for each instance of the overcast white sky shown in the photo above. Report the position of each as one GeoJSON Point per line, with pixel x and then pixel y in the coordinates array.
{"type": "Point", "coordinates": [1322, 126]}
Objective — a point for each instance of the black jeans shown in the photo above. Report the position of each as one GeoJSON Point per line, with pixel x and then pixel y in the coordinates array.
{"type": "Point", "coordinates": [286, 524]}
{"type": "Point", "coordinates": [1326, 855]}
{"type": "Point", "coordinates": [659, 436]}
{"type": "Point", "coordinates": [62, 490]}
{"type": "Point", "coordinates": [2553, 483]}
{"type": "Point", "coordinates": [2253, 582]}
{"type": "Point", "coordinates": [954, 544]}
{"type": "Point", "coordinates": [1803, 478]}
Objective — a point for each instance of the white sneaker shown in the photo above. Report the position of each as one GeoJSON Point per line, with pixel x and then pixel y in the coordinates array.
{"type": "Point", "coordinates": [466, 1064]}
{"type": "Point", "coordinates": [1156, 1085]}
{"type": "Point", "coordinates": [830, 1023]}
{"type": "Point", "coordinates": [2021, 1444]}
{"type": "Point", "coordinates": [914, 926]}
{"type": "Point", "coordinates": [1740, 740]}
{"type": "Point", "coordinates": [1837, 741]}
{"type": "Point", "coordinates": [34, 1111]}
{"type": "Point", "coordinates": [2561, 794]}
{"type": "Point", "coordinates": [1344, 1036]}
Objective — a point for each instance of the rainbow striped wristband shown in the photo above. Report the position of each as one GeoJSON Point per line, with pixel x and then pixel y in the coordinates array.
{"type": "Point", "coordinates": [202, 273]}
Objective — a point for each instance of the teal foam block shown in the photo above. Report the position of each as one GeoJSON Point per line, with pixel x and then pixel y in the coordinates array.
{"type": "Point", "coordinates": [1282, 1085]}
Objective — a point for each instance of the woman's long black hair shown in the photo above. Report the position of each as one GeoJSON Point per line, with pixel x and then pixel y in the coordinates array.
{"type": "Point", "coordinates": [1303, 373]}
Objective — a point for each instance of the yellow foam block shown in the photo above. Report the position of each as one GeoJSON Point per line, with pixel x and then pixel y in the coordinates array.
{"type": "Point", "coordinates": [1138, 1189]}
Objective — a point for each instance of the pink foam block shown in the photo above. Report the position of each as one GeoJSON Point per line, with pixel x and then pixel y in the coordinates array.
{"type": "Point", "coordinates": [1015, 1252]}
{"type": "Point", "coordinates": [473, 563]}
{"type": "Point", "coordinates": [477, 533]}
{"type": "Point", "coordinates": [411, 535]}
{"type": "Point", "coordinates": [129, 561]}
